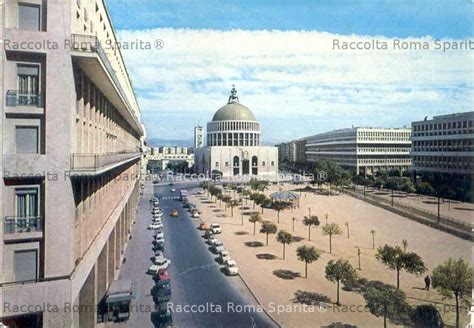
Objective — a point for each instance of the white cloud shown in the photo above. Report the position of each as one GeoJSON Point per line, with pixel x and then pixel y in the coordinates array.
{"type": "Point", "coordinates": [288, 75]}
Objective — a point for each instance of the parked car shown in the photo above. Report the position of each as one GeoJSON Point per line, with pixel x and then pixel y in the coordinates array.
{"type": "Point", "coordinates": [159, 235]}
{"type": "Point", "coordinates": [208, 234]}
{"type": "Point", "coordinates": [159, 253]}
{"type": "Point", "coordinates": [195, 215]}
{"type": "Point", "coordinates": [163, 284]}
{"type": "Point", "coordinates": [203, 226]}
{"type": "Point", "coordinates": [215, 245]}
{"type": "Point", "coordinates": [217, 249]}
{"type": "Point", "coordinates": [160, 294]}
{"type": "Point", "coordinates": [162, 317]}
{"type": "Point", "coordinates": [231, 267]}
{"type": "Point", "coordinates": [200, 191]}
{"type": "Point", "coordinates": [157, 214]}
{"type": "Point", "coordinates": [224, 256]}
{"type": "Point", "coordinates": [174, 213]}
{"type": "Point", "coordinates": [163, 274]}
{"type": "Point", "coordinates": [159, 245]}
{"type": "Point", "coordinates": [216, 228]}
{"type": "Point", "coordinates": [173, 190]}
{"type": "Point", "coordinates": [161, 262]}
{"type": "Point", "coordinates": [212, 240]}
{"type": "Point", "coordinates": [154, 226]}
{"type": "Point", "coordinates": [158, 240]}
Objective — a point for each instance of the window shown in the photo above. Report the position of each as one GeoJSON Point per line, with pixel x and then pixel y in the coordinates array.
{"type": "Point", "coordinates": [27, 140]}
{"type": "Point", "coordinates": [25, 265]}
{"type": "Point", "coordinates": [26, 202]}
{"type": "Point", "coordinates": [28, 84]}
{"type": "Point", "coordinates": [29, 17]}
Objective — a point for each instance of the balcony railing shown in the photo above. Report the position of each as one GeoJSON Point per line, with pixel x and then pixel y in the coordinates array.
{"type": "Point", "coordinates": [16, 224]}
{"type": "Point", "coordinates": [91, 44]}
{"type": "Point", "coordinates": [14, 98]}
{"type": "Point", "coordinates": [99, 161]}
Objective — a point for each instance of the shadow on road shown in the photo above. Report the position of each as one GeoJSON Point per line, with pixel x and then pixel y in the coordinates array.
{"type": "Point", "coordinates": [266, 256]}
{"type": "Point", "coordinates": [253, 244]}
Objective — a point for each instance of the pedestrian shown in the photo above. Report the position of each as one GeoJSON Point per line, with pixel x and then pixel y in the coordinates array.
{"type": "Point", "coordinates": [427, 282]}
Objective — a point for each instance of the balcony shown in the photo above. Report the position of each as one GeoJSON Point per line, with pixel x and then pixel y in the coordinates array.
{"type": "Point", "coordinates": [99, 163]}
{"type": "Point", "coordinates": [16, 99]}
{"type": "Point", "coordinates": [15, 227]}
{"type": "Point", "coordinates": [87, 49]}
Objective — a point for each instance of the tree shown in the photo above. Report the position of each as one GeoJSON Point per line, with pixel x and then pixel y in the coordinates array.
{"type": "Point", "coordinates": [254, 218]}
{"type": "Point", "coordinates": [384, 300]}
{"type": "Point", "coordinates": [347, 228]}
{"type": "Point", "coordinates": [372, 232]}
{"type": "Point", "coordinates": [226, 199]}
{"type": "Point", "coordinates": [426, 315]}
{"type": "Point", "coordinates": [307, 254]}
{"type": "Point", "coordinates": [310, 221]}
{"type": "Point", "coordinates": [268, 228]}
{"type": "Point", "coordinates": [284, 238]}
{"type": "Point", "coordinates": [396, 259]}
{"type": "Point", "coordinates": [453, 278]}
{"type": "Point", "coordinates": [233, 203]}
{"type": "Point", "coordinates": [261, 200]}
{"type": "Point", "coordinates": [340, 271]}
{"type": "Point", "coordinates": [331, 229]}
{"type": "Point", "coordinates": [405, 244]}
{"type": "Point", "coordinates": [280, 206]}
{"type": "Point", "coordinates": [253, 196]}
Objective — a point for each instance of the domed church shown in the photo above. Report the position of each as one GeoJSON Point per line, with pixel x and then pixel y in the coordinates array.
{"type": "Point", "coordinates": [233, 144]}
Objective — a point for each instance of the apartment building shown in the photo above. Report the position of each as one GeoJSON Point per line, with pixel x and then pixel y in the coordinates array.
{"type": "Point", "coordinates": [444, 144]}
{"type": "Point", "coordinates": [160, 157]}
{"type": "Point", "coordinates": [287, 151]}
{"type": "Point", "coordinates": [363, 150]}
{"type": "Point", "coordinates": [70, 160]}
{"type": "Point", "coordinates": [198, 137]}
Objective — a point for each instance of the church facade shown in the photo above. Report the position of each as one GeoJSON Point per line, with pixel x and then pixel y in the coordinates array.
{"type": "Point", "coordinates": [233, 144]}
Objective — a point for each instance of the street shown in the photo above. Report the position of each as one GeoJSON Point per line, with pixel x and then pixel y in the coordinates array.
{"type": "Point", "coordinates": [202, 295]}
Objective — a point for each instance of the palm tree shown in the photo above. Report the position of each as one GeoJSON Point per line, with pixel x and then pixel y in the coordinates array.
{"type": "Point", "coordinates": [280, 206]}
{"type": "Point", "coordinates": [405, 245]}
{"type": "Point", "coordinates": [293, 219]}
{"type": "Point", "coordinates": [331, 230]}
{"type": "Point", "coordinates": [347, 228]}
{"type": "Point", "coordinates": [268, 228]}
{"type": "Point", "coordinates": [284, 238]}
{"type": "Point", "coordinates": [340, 270]}
{"type": "Point", "coordinates": [254, 218]}
{"type": "Point", "coordinates": [373, 238]}
{"type": "Point", "coordinates": [307, 254]}
{"type": "Point", "coordinates": [309, 221]}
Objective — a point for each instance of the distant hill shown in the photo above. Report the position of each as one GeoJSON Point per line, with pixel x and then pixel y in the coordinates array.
{"type": "Point", "coordinates": [157, 142]}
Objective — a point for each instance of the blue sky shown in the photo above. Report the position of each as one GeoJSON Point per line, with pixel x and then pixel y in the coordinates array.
{"type": "Point", "coordinates": [279, 55]}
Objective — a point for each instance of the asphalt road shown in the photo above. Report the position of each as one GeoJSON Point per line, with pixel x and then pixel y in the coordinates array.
{"type": "Point", "coordinates": [213, 299]}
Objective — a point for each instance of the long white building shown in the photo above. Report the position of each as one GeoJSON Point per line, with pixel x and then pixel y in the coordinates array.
{"type": "Point", "coordinates": [364, 150]}
{"type": "Point", "coordinates": [233, 144]}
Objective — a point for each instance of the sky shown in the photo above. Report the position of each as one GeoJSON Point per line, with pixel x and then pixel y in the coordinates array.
{"type": "Point", "coordinates": [289, 65]}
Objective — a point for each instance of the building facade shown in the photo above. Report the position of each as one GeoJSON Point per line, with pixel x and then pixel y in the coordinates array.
{"type": "Point", "coordinates": [159, 158]}
{"type": "Point", "coordinates": [198, 137]}
{"type": "Point", "coordinates": [444, 144]}
{"type": "Point", "coordinates": [363, 150]}
{"type": "Point", "coordinates": [233, 144]}
{"type": "Point", "coordinates": [71, 154]}
{"type": "Point", "coordinates": [287, 152]}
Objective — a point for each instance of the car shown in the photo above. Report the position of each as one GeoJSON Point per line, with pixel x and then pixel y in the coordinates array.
{"type": "Point", "coordinates": [174, 213]}
{"type": "Point", "coordinates": [161, 262]}
{"type": "Point", "coordinates": [156, 219]}
{"type": "Point", "coordinates": [161, 294]}
{"type": "Point", "coordinates": [160, 235]}
{"type": "Point", "coordinates": [215, 246]}
{"type": "Point", "coordinates": [162, 316]}
{"type": "Point", "coordinates": [215, 228]}
{"type": "Point", "coordinates": [163, 274]}
{"type": "Point", "coordinates": [153, 269]}
{"type": "Point", "coordinates": [212, 240]}
{"type": "Point", "coordinates": [224, 256]}
{"type": "Point", "coordinates": [158, 245]}
{"type": "Point", "coordinates": [231, 267]}
{"type": "Point", "coordinates": [157, 240]}
{"type": "Point", "coordinates": [163, 284]}
{"type": "Point", "coordinates": [200, 191]}
{"type": "Point", "coordinates": [217, 249]}
{"type": "Point", "coordinates": [208, 234]}
{"type": "Point", "coordinates": [173, 190]}
{"type": "Point", "coordinates": [154, 226]}
{"type": "Point", "coordinates": [159, 253]}
{"type": "Point", "coordinates": [157, 212]}
{"type": "Point", "coordinates": [203, 226]}
{"type": "Point", "coordinates": [195, 215]}
{"type": "Point", "coordinates": [171, 184]}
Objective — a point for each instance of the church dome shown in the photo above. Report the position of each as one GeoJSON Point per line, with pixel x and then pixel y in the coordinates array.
{"type": "Point", "coordinates": [233, 111]}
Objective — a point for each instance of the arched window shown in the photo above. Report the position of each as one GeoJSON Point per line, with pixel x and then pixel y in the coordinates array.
{"type": "Point", "coordinates": [254, 165]}
{"type": "Point", "coordinates": [236, 163]}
